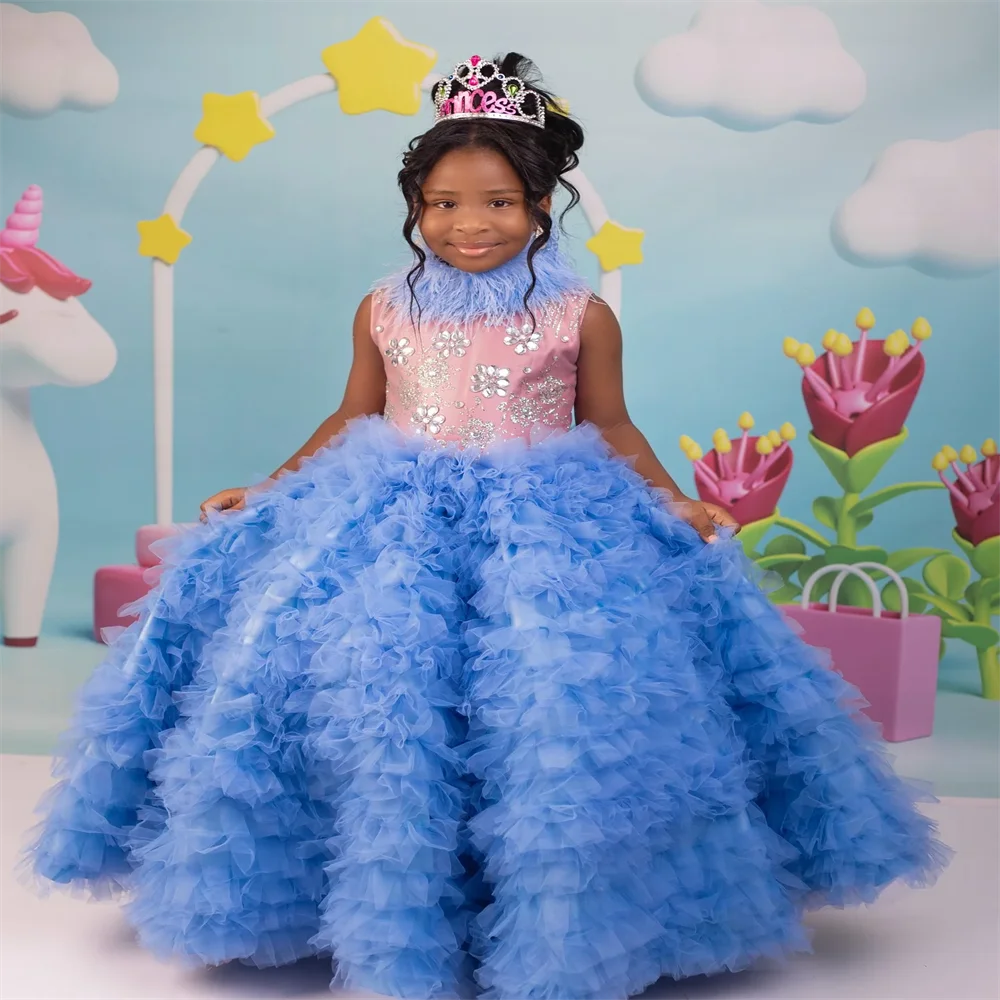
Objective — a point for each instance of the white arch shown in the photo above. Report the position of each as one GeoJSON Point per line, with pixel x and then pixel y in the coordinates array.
{"type": "Point", "coordinates": [183, 190]}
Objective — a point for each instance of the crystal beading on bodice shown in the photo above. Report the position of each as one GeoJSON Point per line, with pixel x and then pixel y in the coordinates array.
{"type": "Point", "coordinates": [474, 383]}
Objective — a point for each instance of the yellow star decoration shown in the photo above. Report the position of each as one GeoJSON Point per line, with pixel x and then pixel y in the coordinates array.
{"type": "Point", "coordinates": [379, 70]}
{"type": "Point", "coordinates": [162, 238]}
{"type": "Point", "coordinates": [232, 123]}
{"type": "Point", "coordinates": [616, 246]}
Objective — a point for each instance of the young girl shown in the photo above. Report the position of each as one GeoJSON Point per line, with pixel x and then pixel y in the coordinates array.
{"type": "Point", "coordinates": [459, 698]}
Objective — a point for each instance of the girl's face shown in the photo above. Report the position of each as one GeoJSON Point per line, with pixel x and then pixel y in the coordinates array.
{"type": "Point", "coordinates": [475, 216]}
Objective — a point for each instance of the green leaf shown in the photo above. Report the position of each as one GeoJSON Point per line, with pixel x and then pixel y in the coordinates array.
{"type": "Point", "coordinates": [854, 593]}
{"type": "Point", "coordinates": [873, 500]}
{"type": "Point", "coordinates": [941, 649]}
{"type": "Point", "coordinates": [788, 594]}
{"type": "Point", "coordinates": [804, 530]}
{"type": "Point", "coordinates": [752, 534]}
{"type": "Point", "coordinates": [808, 568]}
{"type": "Point", "coordinates": [967, 547]}
{"type": "Point", "coordinates": [826, 510]}
{"type": "Point", "coordinates": [916, 593]}
{"type": "Point", "coordinates": [949, 609]}
{"type": "Point", "coordinates": [947, 576]}
{"type": "Point", "coordinates": [824, 583]}
{"type": "Point", "coordinates": [863, 520]}
{"type": "Point", "coordinates": [784, 544]}
{"type": "Point", "coordinates": [985, 556]}
{"type": "Point", "coordinates": [980, 636]}
{"type": "Point", "coordinates": [905, 558]}
{"type": "Point", "coordinates": [784, 554]}
{"type": "Point", "coordinates": [856, 554]}
{"type": "Point", "coordinates": [835, 460]}
{"type": "Point", "coordinates": [782, 560]}
{"type": "Point", "coordinates": [855, 474]}
{"type": "Point", "coordinates": [867, 463]}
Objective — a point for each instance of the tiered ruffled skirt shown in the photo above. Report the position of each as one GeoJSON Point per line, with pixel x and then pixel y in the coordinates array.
{"type": "Point", "coordinates": [494, 724]}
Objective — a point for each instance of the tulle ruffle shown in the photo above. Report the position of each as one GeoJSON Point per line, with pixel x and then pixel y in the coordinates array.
{"type": "Point", "coordinates": [492, 723]}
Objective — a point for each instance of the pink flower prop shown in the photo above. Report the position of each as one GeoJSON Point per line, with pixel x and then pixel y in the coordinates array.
{"type": "Point", "coordinates": [746, 478]}
{"type": "Point", "coordinates": [860, 392]}
{"type": "Point", "coordinates": [975, 490]}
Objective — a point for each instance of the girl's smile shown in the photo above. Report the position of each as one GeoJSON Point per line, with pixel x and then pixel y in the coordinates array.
{"type": "Point", "coordinates": [475, 249]}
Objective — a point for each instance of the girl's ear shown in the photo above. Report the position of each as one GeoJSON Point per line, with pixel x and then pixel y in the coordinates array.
{"type": "Point", "coordinates": [546, 204]}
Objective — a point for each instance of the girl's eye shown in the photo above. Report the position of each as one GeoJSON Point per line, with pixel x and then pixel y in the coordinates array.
{"type": "Point", "coordinates": [444, 204]}
{"type": "Point", "coordinates": [500, 203]}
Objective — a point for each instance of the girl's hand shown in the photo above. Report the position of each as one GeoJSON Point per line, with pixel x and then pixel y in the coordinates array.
{"type": "Point", "coordinates": [227, 500]}
{"type": "Point", "coordinates": [705, 518]}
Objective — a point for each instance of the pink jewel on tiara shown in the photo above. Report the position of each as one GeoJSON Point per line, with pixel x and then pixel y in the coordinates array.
{"type": "Point", "coordinates": [478, 89]}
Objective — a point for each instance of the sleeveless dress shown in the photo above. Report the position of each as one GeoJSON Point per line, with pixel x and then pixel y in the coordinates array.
{"type": "Point", "coordinates": [461, 705]}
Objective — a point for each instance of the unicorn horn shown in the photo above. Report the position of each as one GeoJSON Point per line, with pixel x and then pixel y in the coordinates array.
{"type": "Point", "coordinates": [25, 221]}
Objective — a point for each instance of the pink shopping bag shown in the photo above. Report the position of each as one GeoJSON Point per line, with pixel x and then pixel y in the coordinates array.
{"type": "Point", "coordinates": [890, 656]}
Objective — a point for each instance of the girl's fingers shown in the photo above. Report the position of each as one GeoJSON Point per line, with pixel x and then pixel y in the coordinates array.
{"type": "Point", "coordinates": [703, 524]}
{"type": "Point", "coordinates": [725, 520]}
{"type": "Point", "coordinates": [222, 504]}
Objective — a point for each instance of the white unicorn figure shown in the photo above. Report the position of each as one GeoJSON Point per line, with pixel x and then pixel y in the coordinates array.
{"type": "Point", "coordinates": [46, 337]}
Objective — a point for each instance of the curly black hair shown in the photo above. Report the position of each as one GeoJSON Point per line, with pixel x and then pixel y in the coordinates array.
{"type": "Point", "coordinates": [541, 157]}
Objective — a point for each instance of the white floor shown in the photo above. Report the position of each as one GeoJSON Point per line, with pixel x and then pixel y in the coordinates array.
{"type": "Point", "coordinates": [937, 944]}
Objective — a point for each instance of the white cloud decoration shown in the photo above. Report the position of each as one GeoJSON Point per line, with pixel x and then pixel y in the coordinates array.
{"type": "Point", "coordinates": [750, 66]}
{"type": "Point", "coordinates": [934, 206]}
{"type": "Point", "coordinates": [49, 61]}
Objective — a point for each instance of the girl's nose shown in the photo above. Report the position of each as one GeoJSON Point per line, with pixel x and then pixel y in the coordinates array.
{"type": "Point", "coordinates": [469, 224]}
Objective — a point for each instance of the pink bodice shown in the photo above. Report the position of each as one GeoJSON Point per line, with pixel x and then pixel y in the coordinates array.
{"type": "Point", "coordinates": [475, 384]}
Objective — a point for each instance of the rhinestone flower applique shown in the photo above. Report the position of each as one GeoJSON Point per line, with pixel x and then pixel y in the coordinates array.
{"type": "Point", "coordinates": [490, 380]}
{"type": "Point", "coordinates": [550, 390]}
{"type": "Point", "coordinates": [427, 420]}
{"type": "Point", "coordinates": [478, 433]}
{"type": "Point", "coordinates": [451, 342]}
{"type": "Point", "coordinates": [433, 373]}
{"type": "Point", "coordinates": [523, 340]}
{"type": "Point", "coordinates": [398, 352]}
{"type": "Point", "coordinates": [409, 392]}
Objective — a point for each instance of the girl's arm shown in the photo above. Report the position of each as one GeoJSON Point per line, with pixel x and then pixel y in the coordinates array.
{"type": "Point", "coordinates": [363, 396]}
{"type": "Point", "coordinates": [600, 400]}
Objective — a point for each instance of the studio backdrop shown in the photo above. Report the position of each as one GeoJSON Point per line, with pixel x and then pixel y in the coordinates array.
{"type": "Point", "coordinates": [793, 207]}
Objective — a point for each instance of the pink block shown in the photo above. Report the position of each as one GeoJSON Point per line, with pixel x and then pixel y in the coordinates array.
{"type": "Point", "coordinates": [114, 587]}
{"type": "Point", "coordinates": [148, 535]}
{"type": "Point", "coordinates": [893, 662]}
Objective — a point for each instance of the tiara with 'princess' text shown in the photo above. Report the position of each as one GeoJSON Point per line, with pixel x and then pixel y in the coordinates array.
{"type": "Point", "coordinates": [477, 89]}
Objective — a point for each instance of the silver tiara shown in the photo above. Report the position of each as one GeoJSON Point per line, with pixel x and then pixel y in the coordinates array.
{"type": "Point", "coordinates": [477, 89]}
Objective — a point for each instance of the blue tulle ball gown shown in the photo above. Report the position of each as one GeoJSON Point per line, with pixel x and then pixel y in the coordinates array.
{"type": "Point", "coordinates": [471, 724]}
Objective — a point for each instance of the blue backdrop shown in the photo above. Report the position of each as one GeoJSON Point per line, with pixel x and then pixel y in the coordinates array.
{"type": "Point", "coordinates": [738, 252]}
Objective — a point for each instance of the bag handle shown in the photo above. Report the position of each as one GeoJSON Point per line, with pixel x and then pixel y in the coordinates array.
{"type": "Point", "coordinates": [843, 570]}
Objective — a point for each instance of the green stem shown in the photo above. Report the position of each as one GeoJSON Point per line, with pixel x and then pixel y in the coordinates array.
{"type": "Point", "coordinates": [989, 671]}
{"type": "Point", "coordinates": [989, 662]}
{"type": "Point", "coordinates": [981, 609]}
{"type": "Point", "coordinates": [847, 529]}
